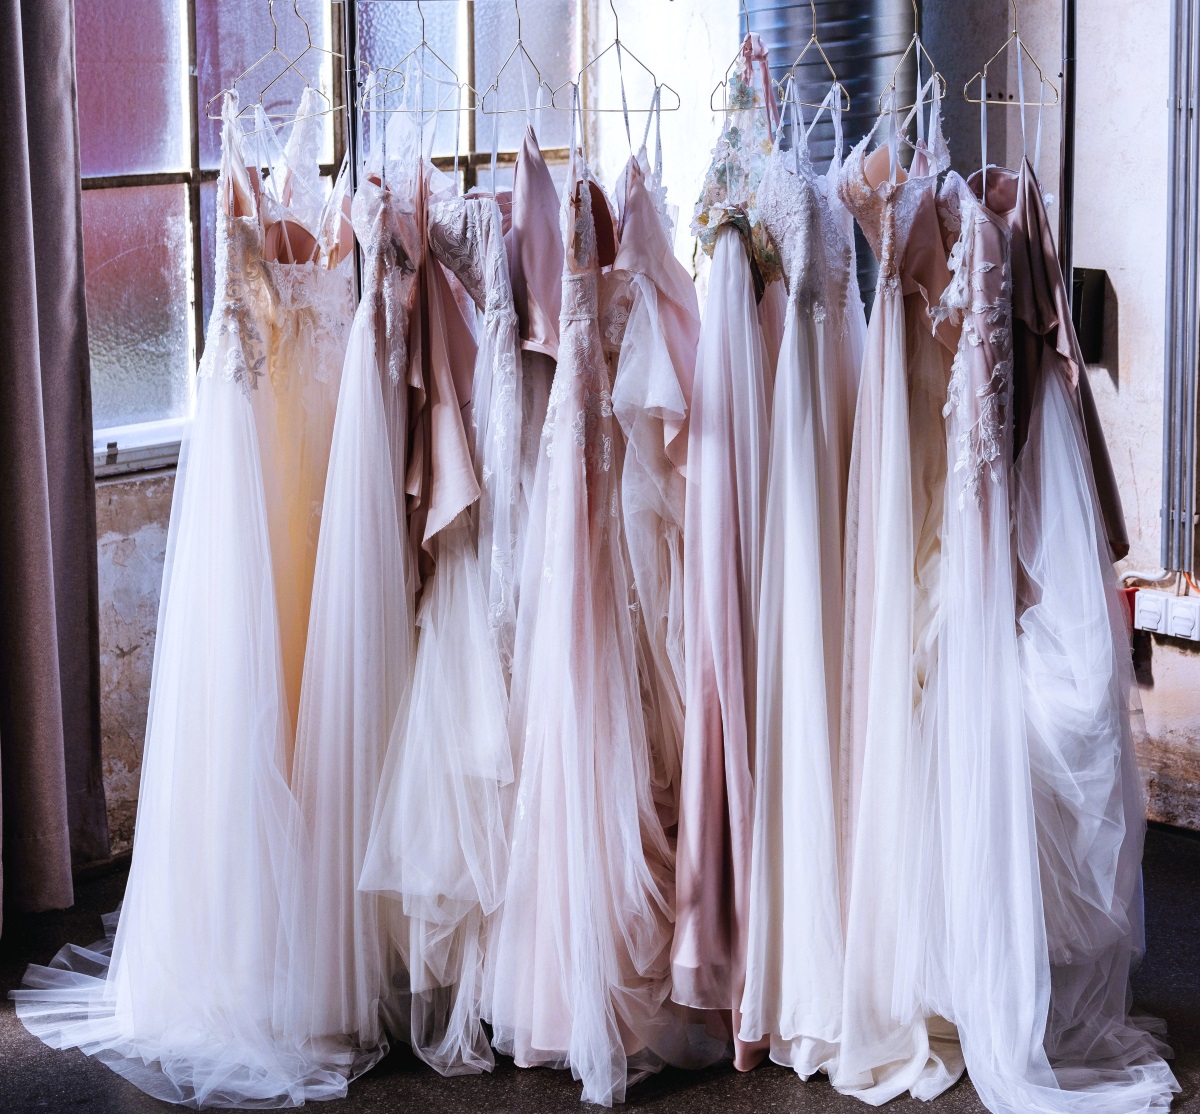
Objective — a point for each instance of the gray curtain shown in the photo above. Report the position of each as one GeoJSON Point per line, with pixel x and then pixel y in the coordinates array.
{"type": "Point", "coordinates": [51, 788]}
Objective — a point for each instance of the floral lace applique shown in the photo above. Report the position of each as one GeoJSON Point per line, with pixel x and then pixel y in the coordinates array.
{"type": "Point", "coordinates": [730, 192]}
{"type": "Point", "coordinates": [982, 413]}
{"type": "Point", "coordinates": [241, 301]}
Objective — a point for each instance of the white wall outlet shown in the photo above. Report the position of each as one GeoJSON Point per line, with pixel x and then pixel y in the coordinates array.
{"type": "Point", "coordinates": [1150, 610]}
{"type": "Point", "coordinates": [1183, 617]}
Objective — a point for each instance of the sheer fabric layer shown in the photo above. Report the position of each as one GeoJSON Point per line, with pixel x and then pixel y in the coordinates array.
{"type": "Point", "coordinates": [184, 1007]}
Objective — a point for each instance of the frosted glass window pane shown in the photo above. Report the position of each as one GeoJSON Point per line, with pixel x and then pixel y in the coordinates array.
{"type": "Point", "coordinates": [387, 31]}
{"type": "Point", "coordinates": [129, 67]}
{"type": "Point", "coordinates": [230, 34]}
{"type": "Point", "coordinates": [550, 31]}
{"type": "Point", "coordinates": [135, 261]}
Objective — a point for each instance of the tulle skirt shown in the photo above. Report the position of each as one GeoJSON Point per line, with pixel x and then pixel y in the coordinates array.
{"type": "Point", "coordinates": [438, 840]}
{"type": "Point", "coordinates": [579, 971]}
{"type": "Point", "coordinates": [356, 674]}
{"type": "Point", "coordinates": [184, 1007]}
{"type": "Point", "coordinates": [890, 1041]}
{"type": "Point", "coordinates": [794, 965]}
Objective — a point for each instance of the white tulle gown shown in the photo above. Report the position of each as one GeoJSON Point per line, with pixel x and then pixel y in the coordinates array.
{"type": "Point", "coordinates": [438, 837]}
{"type": "Point", "coordinates": [1036, 764]}
{"type": "Point", "coordinates": [185, 1007]}
{"type": "Point", "coordinates": [346, 983]}
{"type": "Point", "coordinates": [892, 1040]}
{"type": "Point", "coordinates": [794, 964]}
{"type": "Point", "coordinates": [581, 960]}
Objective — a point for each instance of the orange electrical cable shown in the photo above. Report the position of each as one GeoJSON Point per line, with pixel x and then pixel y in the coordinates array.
{"type": "Point", "coordinates": [1191, 583]}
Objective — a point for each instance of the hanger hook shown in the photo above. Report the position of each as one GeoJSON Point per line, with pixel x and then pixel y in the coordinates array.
{"type": "Point", "coordinates": [1015, 24]}
{"type": "Point", "coordinates": [616, 21]}
{"type": "Point", "coordinates": [421, 13]}
{"type": "Point", "coordinates": [916, 19]}
{"type": "Point", "coordinates": [274, 24]}
{"type": "Point", "coordinates": [812, 6]}
{"type": "Point", "coordinates": [517, 9]}
{"type": "Point", "coordinates": [307, 28]}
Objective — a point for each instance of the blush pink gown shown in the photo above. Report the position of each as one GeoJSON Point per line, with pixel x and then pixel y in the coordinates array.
{"type": "Point", "coordinates": [581, 962]}
{"type": "Point", "coordinates": [728, 436]}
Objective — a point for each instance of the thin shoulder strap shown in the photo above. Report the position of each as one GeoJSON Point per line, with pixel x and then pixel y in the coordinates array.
{"type": "Point", "coordinates": [654, 116]}
{"type": "Point", "coordinates": [983, 144]}
{"type": "Point", "coordinates": [624, 98]}
{"type": "Point", "coordinates": [835, 115]}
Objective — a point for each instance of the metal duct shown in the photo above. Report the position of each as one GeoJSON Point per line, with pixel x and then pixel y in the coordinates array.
{"type": "Point", "coordinates": [1181, 388]}
{"type": "Point", "coordinates": [864, 40]}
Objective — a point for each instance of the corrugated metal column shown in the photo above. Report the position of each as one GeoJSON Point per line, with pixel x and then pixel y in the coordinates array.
{"type": "Point", "coordinates": [1182, 341]}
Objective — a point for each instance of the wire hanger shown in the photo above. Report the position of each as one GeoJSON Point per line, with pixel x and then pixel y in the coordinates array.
{"type": "Point", "coordinates": [915, 41]}
{"type": "Point", "coordinates": [722, 86]}
{"type": "Point", "coordinates": [402, 74]}
{"type": "Point", "coordinates": [790, 73]}
{"type": "Point", "coordinates": [309, 48]}
{"type": "Point", "coordinates": [288, 64]}
{"type": "Point", "coordinates": [623, 52]}
{"type": "Point", "coordinates": [1014, 36]}
{"type": "Point", "coordinates": [543, 86]}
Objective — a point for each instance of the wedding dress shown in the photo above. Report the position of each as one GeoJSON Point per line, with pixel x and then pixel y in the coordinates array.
{"type": "Point", "coordinates": [793, 993]}
{"type": "Point", "coordinates": [438, 838]}
{"type": "Point", "coordinates": [723, 534]}
{"type": "Point", "coordinates": [360, 654]}
{"type": "Point", "coordinates": [581, 961]}
{"type": "Point", "coordinates": [535, 263]}
{"type": "Point", "coordinates": [184, 1008]}
{"type": "Point", "coordinates": [891, 1041]}
{"type": "Point", "coordinates": [654, 322]}
{"type": "Point", "coordinates": [1045, 1025]}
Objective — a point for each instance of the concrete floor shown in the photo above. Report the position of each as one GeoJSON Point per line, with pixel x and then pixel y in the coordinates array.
{"type": "Point", "coordinates": [36, 1078]}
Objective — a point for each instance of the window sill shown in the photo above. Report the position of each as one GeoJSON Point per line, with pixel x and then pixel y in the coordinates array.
{"type": "Point", "coordinates": [143, 447]}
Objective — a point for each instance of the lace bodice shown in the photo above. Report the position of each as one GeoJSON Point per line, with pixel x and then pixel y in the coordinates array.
{"type": "Point", "coordinates": [730, 191]}
{"type": "Point", "coordinates": [390, 235]}
{"type": "Point", "coordinates": [264, 306]}
{"type": "Point", "coordinates": [980, 299]}
{"type": "Point", "coordinates": [467, 235]}
{"type": "Point", "coordinates": [242, 298]}
{"type": "Point", "coordinates": [581, 382]}
{"type": "Point", "coordinates": [811, 230]}
{"type": "Point", "coordinates": [886, 212]}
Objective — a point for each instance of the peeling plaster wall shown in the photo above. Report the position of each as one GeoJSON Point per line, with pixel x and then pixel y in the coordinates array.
{"type": "Point", "coordinates": [1120, 227]}
{"type": "Point", "coordinates": [131, 525]}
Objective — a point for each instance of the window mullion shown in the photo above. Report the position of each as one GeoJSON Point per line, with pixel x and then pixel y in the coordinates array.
{"type": "Point", "coordinates": [193, 184]}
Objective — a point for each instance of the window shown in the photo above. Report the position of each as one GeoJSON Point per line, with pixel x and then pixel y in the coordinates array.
{"type": "Point", "coordinates": [150, 155]}
{"type": "Point", "coordinates": [476, 39]}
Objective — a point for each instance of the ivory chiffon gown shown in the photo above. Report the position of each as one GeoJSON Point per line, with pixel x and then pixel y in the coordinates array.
{"type": "Point", "coordinates": [794, 965]}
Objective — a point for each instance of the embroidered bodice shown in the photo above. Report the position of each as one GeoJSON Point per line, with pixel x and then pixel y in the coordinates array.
{"type": "Point", "coordinates": [467, 235]}
{"type": "Point", "coordinates": [581, 382]}
{"type": "Point", "coordinates": [887, 211]}
{"type": "Point", "coordinates": [730, 191]}
{"type": "Point", "coordinates": [979, 298]}
{"type": "Point", "coordinates": [388, 231]}
{"type": "Point", "coordinates": [811, 229]}
{"type": "Point", "coordinates": [242, 296]}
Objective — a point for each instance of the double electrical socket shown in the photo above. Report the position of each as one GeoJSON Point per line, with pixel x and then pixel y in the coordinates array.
{"type": "Point", "coordinates": [1166, 613]}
